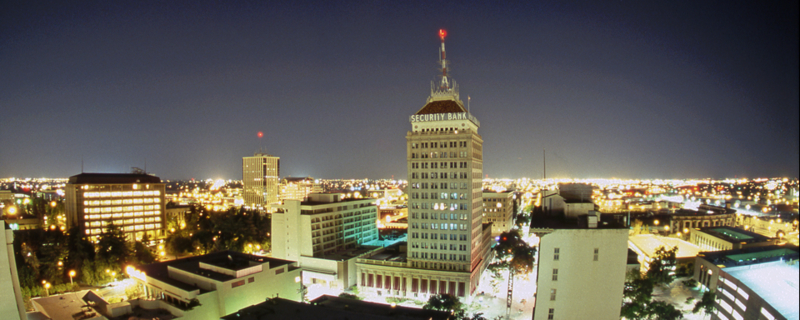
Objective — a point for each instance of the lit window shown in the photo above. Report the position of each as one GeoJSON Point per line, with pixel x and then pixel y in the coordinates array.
{"type": "Point", "coordinates": [766, 314]}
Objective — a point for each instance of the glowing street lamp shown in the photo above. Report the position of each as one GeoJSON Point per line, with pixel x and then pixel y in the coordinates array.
{"type": "Point", "coordinates": [71, 274]}
{"type": "Point", "coordinates": [12, 210]}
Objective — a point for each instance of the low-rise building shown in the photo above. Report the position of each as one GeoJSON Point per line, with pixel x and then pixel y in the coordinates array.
{"type": "Point", "coordinates": [646, 245]}
{"type": "Point", "coordinates": [760, 291]}
{"type": "Point", "coordinates": [727, 238]}
{"type": "Point", "coordinates": [298, 188]}
{"type": "Point", "coordinates": [330, 307]}
{"type": "Point", "coordinates": [708, 264]}
{"type": "Point", "coordinates": [217, 284]}
{"type": "Point", "coordinates": [582, 265]}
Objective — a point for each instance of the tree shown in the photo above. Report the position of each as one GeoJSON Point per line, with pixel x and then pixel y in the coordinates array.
{"type": "Point", "coordinates": [348, 296]}
{"type": "Point", "coordinates": [660, 269]}
{"type": "Point", "coordinates": [706, 304]}
{"type": "Point", "coordinates": [142, 254]}
{"type": "Point", "coordinates": [445, 302]}
{"type": "Point", "coordinates": [638, 303]}
{"type": "Point", "coordinates": [113, 246]}
{"type": "Point", "coordinates": [178, 245]}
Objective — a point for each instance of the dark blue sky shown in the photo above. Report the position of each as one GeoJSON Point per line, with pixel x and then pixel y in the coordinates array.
{"type": "Point", "coordinates": [627, 89]}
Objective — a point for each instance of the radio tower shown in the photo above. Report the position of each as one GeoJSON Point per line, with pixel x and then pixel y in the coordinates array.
{"type": "Point", "coordinates": [443, 59]}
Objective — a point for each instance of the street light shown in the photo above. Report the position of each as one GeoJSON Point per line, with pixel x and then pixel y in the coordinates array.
{"type": "Point", "coordinates": [47, 288]}
{"type": "Point", "coordinates": [71, 274]}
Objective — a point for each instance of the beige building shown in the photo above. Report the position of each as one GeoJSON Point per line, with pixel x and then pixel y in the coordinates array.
{"type": "Point", "coordinates": [11, 304]}
{"type": "Point", "coordinates": [581, 272]}
{"type": "Point", "coordinates": [260, 174]}
{"type": "Point", "coordinates": [498, 209]}
{"type": "Point", "coordinates": [325, 234]}
{"type": "Point", "coordinates": [727, 238]}
{"type": "Point", "coordinates": [220, 283]}
{"type": "Point", "coordinates": [134, 202]}
{"type": "Point", "coordinates": [448, 245]}
{"type": "Point", "coordinates": [298, 188]}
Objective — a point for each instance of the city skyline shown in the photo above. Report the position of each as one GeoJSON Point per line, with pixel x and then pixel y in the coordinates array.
{"type": "Point", "coordinates": [624, 90]}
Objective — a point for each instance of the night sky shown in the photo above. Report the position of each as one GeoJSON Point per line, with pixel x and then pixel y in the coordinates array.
{"type": "Point", "coordinates": [625, 89]}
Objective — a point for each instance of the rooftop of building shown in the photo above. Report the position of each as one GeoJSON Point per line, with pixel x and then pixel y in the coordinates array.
{"type": "Point", "coordinates": [298, 179]}
{"type": "Point", "coordinates": [349, 253]}
{"type": "Point", "coordinates": [394, 253]}
{"type": "Point", "coordinates": [441, 106]}
{"type": "Point", "coordinates": [545, 221]}
{"type": "Point", "coordinates": [648, 244]}
{"type": "Point", "coordinates": [775, 282]}
{"type": "Point", "coordinates": [224, 259]}
{"type": "Point", "coordinates": [65, 306]}
{"type": "Point", "coordinates": [334, 308]}
{"type": "Point", "coordinates": [734, 235]}
{"type": "Point", "coordinates": [316, 203]}
{"type": "Point", "coordinates": [113, 178]}
{"type": "Point", "coordinates": [751, 255]}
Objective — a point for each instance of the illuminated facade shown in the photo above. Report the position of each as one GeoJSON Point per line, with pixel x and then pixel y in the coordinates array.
{"type": "Point", "coordinates": [498, 208]}
{"type": "Point", "coordinates": [324, 234]}
{"type": "Point", "coordinates": [298, 188]}
{"type": "Point", "coordinates": [133, 202]}
{"type": "Point", "coordinates": [260, 175]}
{"type": "Point", "coordinates": [221, 282]}
{"type": "Point", "coordinates": [448, 244]}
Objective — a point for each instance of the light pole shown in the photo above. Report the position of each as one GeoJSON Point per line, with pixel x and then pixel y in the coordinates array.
{"type": "Point", "coordinates": [47, 288]}
{"type": "Point", "coordinates": [71, 274]}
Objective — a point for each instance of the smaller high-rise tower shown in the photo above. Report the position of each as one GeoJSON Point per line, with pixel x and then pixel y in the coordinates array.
{"type": "Point", "coordinates": [260, 176]}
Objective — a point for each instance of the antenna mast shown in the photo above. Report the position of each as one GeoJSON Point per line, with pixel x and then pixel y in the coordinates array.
{"type": "Point", "coordinates": [443, 59]}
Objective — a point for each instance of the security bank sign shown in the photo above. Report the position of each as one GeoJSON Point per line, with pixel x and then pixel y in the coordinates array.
{"type": "Point", "coordinates": [443, 117]}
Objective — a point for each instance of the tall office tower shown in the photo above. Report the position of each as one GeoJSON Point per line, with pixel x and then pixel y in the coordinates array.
{"type": "Point", "coordinates": [260, 175]}
{"type": "Point", "coordinates": [134, 202]}
{"type": "Point", "coordinates": [445, 165]}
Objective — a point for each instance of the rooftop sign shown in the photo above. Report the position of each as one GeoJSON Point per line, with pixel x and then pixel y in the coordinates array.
{"type": "Point", "coordinates": [443, 117]}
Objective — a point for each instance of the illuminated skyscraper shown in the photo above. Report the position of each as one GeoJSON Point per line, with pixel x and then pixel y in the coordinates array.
{"type": "Point", "coordinates": [260, 176]}
{"type": "Point", "coordinates": [448, 245]}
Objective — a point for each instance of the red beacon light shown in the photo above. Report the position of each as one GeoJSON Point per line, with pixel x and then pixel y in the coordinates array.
{"type": "Point", "coordinates": [442, 34]}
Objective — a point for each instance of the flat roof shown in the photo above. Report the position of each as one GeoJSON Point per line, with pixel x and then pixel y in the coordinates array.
{"type": "Point", "coordinates": [330, 307]}
{"type": "Point", "coordinates": [544, 221]}
{"type": "Point", "coordinates": [112, 178]}
{"type": "Point", "coordinates": [349, 253]}
{"type": "Point", "coordinates": [775, 282]}
{"type": "Point", "coordinates": [734, 235]}
{"type": "Point", "coordinates": [62, 307]}
{"type": "Point", "coordinates": [751, 255]}
{"type": "Point", "coordinates": [648, 244]}
{"type": "Point", "coordinates": [160, 270]}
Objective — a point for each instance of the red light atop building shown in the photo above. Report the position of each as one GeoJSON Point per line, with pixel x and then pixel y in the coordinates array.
{"type": "Point", "coordinates": [442, 34]}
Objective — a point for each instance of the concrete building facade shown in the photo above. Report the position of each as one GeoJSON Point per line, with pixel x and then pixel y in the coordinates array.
{"type": "Point", "coordinates": [260, 175]}
{"type": "Point", "coordinates": [324, 234]}
{"type": "Point", "coordinates": [215, 285]}
{"type": "Point", "coordinates": [582, 265]}
{"type": "Point", "coordinates": [727, 238]}
{"type": "Point", "coordinates": [298, 188]}
{"type": "Point", "coordinates": [448, 243]}
{"type": "Point", "coordinates": [761, 291]}
{"type": "Point", "coordinates": [498, 209]}
{"type": "Point", "coordinates": [133, 202]}
{"type": "Point", "coordinates": [11, 304]}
